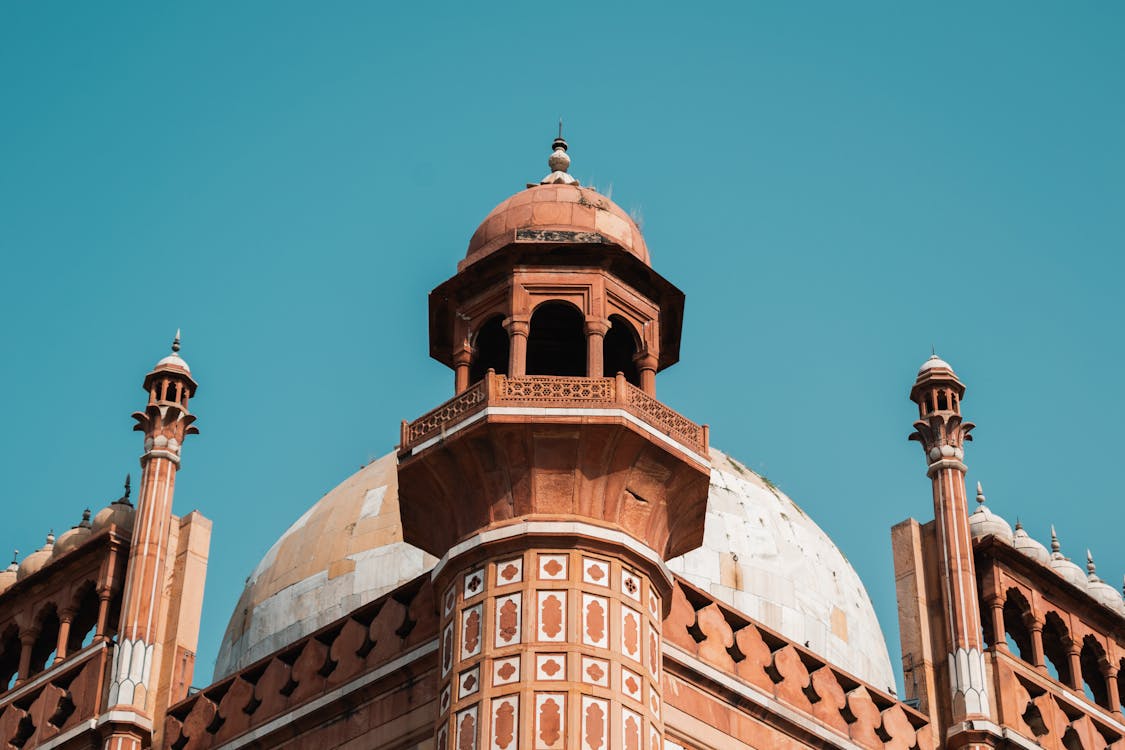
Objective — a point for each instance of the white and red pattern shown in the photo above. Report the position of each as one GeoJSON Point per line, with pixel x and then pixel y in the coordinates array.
{"type": "Point", "coordinates": [472, 584]}
{"type": "Point", "coordinates": [466, 729]}
{"type": "Point", "coordinates": [553, 567]}
{"type": "Point", "coordinates": [595, 572]}
{"type": "Point", "coordinates": [550, 721]}
{"type": "Point", "coordinates": [551, 619]}
{"type": "Point", "coordinates": [630, 585]}
{"type": "Point", "coordinates": [594, 620]}
{"type": "Point", "coordinates": [595, 723]}
{"type": "Point", "coordinates": [631, 684]}
{"type": "Point", "coordinates": [506, 671]}
{"type": "Point", "coordinates": [509, 571]}
{"type": "Point", "coordinates": [509, 619]}
{"type": "Point", "coordinates": [505, 728]}
{"type": "Point", "coordinates": [630, 633]}
{"type": "Point", "coordinates": [468, 682]}
{"type": "Point", "coordinates": [550, 666]}
{"type": "Point", "coordinates": [472, 631]}
{"type": "Point", "coordinates": [595, 671]}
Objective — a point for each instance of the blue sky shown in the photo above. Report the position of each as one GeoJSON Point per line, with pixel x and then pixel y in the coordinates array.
{"type": "Point", "coordinates": [835, 187]}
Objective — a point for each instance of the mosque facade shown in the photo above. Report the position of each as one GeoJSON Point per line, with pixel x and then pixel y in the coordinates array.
{"type": "Point", "coordinates": [555, 559]}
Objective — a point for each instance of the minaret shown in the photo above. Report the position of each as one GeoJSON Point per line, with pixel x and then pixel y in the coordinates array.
{"type": "Point", "coordinates": [165, 423]}
{"type": "Point", "coordinates": [943, 432]}
{"type": "Point", "coordinates": [554, 485]}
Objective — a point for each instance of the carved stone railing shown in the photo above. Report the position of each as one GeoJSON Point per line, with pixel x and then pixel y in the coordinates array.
{"type": "Point", "coordinates": [1038, 707]}
{"type": "Point", "coordinates": [325, 661]}
{"type": "Point", "coordinates": [791, 674]}
{"type": "Point", "coordinates": [548, 391]}
{"type": "Point", "coordinates": [56, 700]}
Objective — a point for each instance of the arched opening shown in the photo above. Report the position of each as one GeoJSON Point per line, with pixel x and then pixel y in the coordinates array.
{"type": "Point", "coordinates": [490, 350]}
{"type": "Point", "coordinates": [556, 344]}
{"type": "Point", "coordinates": [1093, 680]}
{"type": "Point", "coordinates": [1016, 632]}
{"type": "Point", "coordinates": [84, 626]}
{"type": "Point", "coordinates": [1056, 640]}
{"type": "Point", "coordinates": [9, 657]}
{"type": "Point", "coordinates": [43, 652]}
{"type": "Point", "coordinates": [618, 350]}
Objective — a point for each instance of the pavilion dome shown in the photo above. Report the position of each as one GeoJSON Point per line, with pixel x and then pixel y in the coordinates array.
{"type": "Point", "coordinates": [1024, 543]}
{"type": "Point", "coordinates": [761, 555]}
{"type": "Point", "coordinates": [556, 207]}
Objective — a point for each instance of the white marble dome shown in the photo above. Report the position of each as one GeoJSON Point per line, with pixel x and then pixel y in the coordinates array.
{"type": "Point", "coordinates": [761, 554]}
{"type": "Point", "coordinates": [1024, 543]}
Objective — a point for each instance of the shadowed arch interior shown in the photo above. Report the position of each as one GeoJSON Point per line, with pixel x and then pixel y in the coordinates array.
{"type": "Point", "coordinates": [619, 349]}
{"type": "Point", "coordinates": [490, 349]}
{"type": "Point", "coordinates": [556, 344]}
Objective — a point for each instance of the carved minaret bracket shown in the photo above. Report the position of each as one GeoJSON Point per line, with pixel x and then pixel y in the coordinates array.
{"type": "Point", "coordinates": [942, 431]}
{"type": "Point", "coordinates": [165, 422]}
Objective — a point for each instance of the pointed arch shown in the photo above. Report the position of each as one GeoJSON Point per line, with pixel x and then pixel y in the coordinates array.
{"type": "Point", "coordinates": [491, 349]}
{"type": "Point", "coordinates": [620, 348]}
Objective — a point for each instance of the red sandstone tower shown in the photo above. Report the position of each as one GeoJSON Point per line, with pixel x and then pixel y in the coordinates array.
{"type": "Point", "coordinates": [943, 432]}
{"type": "Point", "coordinates": [554, 485]}
{"type": "Point", "coordinates": [165, 422]}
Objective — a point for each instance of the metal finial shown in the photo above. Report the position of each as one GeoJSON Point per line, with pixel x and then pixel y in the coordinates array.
{"type": "Point", "coordinates": [1019, 526]}
{"type": "Point", "coordinates": [176, 342]}
{"type": "Point", "coordinates": [933, 350]}
{"type": "Point", "coordinates": [128, 488]}
{"type": "Point", "coordinates": [50, 537]}
{"type": "Point", "coordinates": [15, 556]}
{"type": "Point", "coordinates": [1055, 547]}
{"type": "Point", "coordinates": [560, 128]}
{"type": "Point", "coordinates": [980, 495]}
{"type": "Point", "coordinates": [1090, 567]}
{"type": "Point", "coordinates": [85, 523]}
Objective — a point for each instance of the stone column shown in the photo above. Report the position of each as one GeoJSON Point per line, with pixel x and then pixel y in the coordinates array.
{"type": "Point", "coordinates": [1074, 658]}
{"type": "Point", "coordinates": [595, 347]}
{"type": "Point", "coordinates": [1038, 660]}
{"type": "Point", "coordinates": [544, 647]}
{"type": "Point", "coordinates": [517, 333]}
{"type": "Point", "coordinates": [65, 618]}
{"type": "Point", "coordinates": [462, 358]}
{"type": "Point", "coordinates": [27, 643]}
{"type": "Point", "coordinates": [104, 596]}
{"type": "Point", "coordinates": [646, 368]}
{"type": "Point", "coordinates": [1112, 693]}
{"type": "Point", "coordinates": [996, 606]}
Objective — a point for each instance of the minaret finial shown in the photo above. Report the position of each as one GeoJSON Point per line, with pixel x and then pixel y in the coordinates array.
{"type": "Point", "coordinates": [559, 162]}
{"type": "Point", "coordinates": [85, 522]}
{"type": "Point", "coordinates": [1055, 546]}
{"type": "Point", "coordinates": [176, 343]}
{"type": "Point", "coordinates": [980, 495]}
{"type": "Point", "coordinates": [933, 350]}
{"type": "Point", "coordinates": [1091, 569]}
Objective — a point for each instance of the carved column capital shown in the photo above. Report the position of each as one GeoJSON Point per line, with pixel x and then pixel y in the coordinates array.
{"type": "Point", "coordinates": [596, 327]}
{"type": "Point", "coordinates": [517, 326]}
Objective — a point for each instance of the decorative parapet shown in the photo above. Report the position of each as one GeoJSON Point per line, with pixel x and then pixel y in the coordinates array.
{"type": "Point", "coordinates": [554, 392]}
{"type": "Point", "coordinates": [329, 661]}
{"type": "Point", "coordinates": [790, 674]}
{"type": "Point", "coordinates": [62, 700]}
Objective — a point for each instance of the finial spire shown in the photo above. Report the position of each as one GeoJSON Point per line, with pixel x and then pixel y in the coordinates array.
{"type": "Point", "coordinates": [1055, 547]}
{"type": "Point", "coordinates": [559, 163]}
{"type": "Point", "coordinates": [980, 495]}
{"type": "Point", "coordinates": [1019, 526]}
{"type": "Point", "coordinates": [85, 522]}
{"type": "Point", "coordinates": [176, 343]}
{"type": "Point", "coordinates": [1091, 569]}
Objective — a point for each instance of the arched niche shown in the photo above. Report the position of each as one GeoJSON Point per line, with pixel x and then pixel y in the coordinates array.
{"type": "Point", "coordinates": [491, 349]}
{"type": "Point", "coordinates": [9, 657]}
{"type": "Point", "coordinates": [556, 342]}
{"type": "Point", "coordinates": [1090, 660]}
{"type": "Point", "coordinates": [1056, 646]}
{"type": "Point", "coordinates": [619, 350]}
{"type": "Point", "coordinates": [1017, 612]}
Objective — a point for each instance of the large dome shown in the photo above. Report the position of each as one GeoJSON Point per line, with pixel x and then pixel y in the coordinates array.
{"type": "Point", "coordinates": [555, 208]}
{"type": "Point", "coordinates": [761, 554]}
